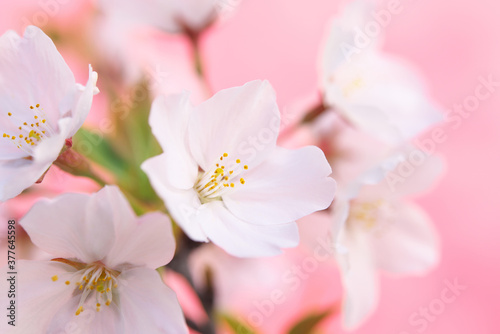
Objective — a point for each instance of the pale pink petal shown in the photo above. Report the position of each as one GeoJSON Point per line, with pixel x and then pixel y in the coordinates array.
{"type": "Point", "coordinates": [72, 226]}
{"type": "Point", "coordinates": [106, 321]}
{"type": "Point", "coordinates": [38, 297]}
{"type": "Point", "coordinates": [360, 280]}
{"type": "Point", "coordinates": [49, 148]}
{"type": "Point", "coordinates": [340, 213]}
{"type": "Point", "coordinates": [169, 121]}
{"type": "Point", "coordinates": [149, 243]}
{"type": "Point", "coordinates": [289, 185]}
{"type": "Point", "coordinates": [17, 175]}
{"type": "Point", "coordinates": [354, 152]}
{"type": "Point", "coordinates": [343, 40]}
{"type": "Point", "coordinates": [82, 103]}
{"type": "Point", "coordinates": [172, 16]}
{"type": "Point", "coordinates": [33, 72]}
{"type": "Point", "coordinates": [122, 215]}
{"type": "Point", "coordinates": [243, 239]}
{"type": "Point", "coordinates": [147, 305]}
{"type": "Point", "coordinates": [181, 204]}
{"type": "Point", "coordinates": [415, 175]}
{"type": "Point", "coordinates": [383, 96]}
{"type": "Point", "coordinates": [242, 121]}
{"type": "Point", "coordinates": [408, 245]}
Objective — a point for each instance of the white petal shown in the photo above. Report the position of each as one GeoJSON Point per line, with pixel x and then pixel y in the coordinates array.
{"type": "Point", "coordinates": [359, 278]}
{"type": "Point", "coordinates": [33, 72]}
{"type": "Point", "coordinates": [122, 215]}
{"type": "Point", "coordinates": [240, 238]}
{"type": "Point", "coordinates": [384, 96]}
{"type": "Point", "coordinates": [82, 103]}
{"type": "Point", "coordinates": [72, 225]}
{"type": "Point", "coordinates": [48, 149]}
{"type": "Point", "coordinates": [243, 122]}
{"type": "Point", "coordinates": [340, 213]}
{"type": "Point", "coordinates": [409, 245]}
{"type": "Point", "coordinates": [106, 321]}
{"type": "Point", "coordinates": [289, 185]}
{"type": "Point", "coordinates": [147, 305]}
{"type": "Point", "coordinates": [39, 299]}
{"type": "Point", "coordinates": [343, 38]}
{"type": "Point", "coordinates": [172, 16]}
{"type": "Point", "coordinates": [17, 175]}
{"type": "Point", "coordinates": [410, 179]}
{"type": "Point", "coordinates": [181, 204]}
{"type": "Point", "coordinates": [359, 158]}
{"type": "Point", "coordinates": [169, 121]}
{"type": "Point", "coordinates": [149, 243]}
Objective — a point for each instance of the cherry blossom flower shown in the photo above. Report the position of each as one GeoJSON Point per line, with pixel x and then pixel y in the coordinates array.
{"type": "Point", "coordinates": [382, 231]}
{"type": "Point", "coordinates": [173, 16]}
{"type": "Point", "coordinates": [42, 107]}
{"type": "Point", "coordinates": [102, 279]}
{"type": "Point", "coordinates": [375, 91]}
{"type": "Point", "coordinates": [224, 179]}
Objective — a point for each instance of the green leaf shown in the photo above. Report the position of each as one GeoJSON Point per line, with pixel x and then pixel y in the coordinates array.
{"type": "Point", "coordinates": [308, 324]}
{"type": "Point", "coordinates": [99, 149]}
{"type": "Point", "coordinates": [237, 326]}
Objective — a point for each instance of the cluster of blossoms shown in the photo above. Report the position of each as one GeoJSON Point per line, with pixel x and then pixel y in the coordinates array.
{"type": "Point", "coordinates": [226, 171]}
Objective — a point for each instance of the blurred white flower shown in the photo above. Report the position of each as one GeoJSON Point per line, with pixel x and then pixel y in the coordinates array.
{"type": "Point", "coordinates": [379, 93]}
{"type": "Point", "coordinates": [42, 106]}
{"type": "Point", "coordinates": [222, 176]}
{"type": "Point", "coordinates": [381, 231]}
{"type": "Point", "coordinates": [103, 279]}
{"type": "Point", "coordinates": [173, 16]}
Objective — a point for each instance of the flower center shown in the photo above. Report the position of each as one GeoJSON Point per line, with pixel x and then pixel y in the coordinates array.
{"type": "Point", "coordinates": [32, 128]}
{"type": "Point", "coordinates": [92, 279]}
{"type": "Point", "coordinates": [219, 179]}
{"type": "Point", "coordinates": [371, 215]}
{"type": "Point", "coordinates": [352, 86]}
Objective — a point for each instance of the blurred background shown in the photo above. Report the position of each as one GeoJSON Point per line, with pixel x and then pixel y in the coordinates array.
{"type": "Point", "coordinates": [453, 43]}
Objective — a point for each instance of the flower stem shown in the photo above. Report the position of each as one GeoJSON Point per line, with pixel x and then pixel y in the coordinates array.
{"type": "Point", "coordinates": [195, 37]}
{"type": "Point", "coordinates": [76, 164]}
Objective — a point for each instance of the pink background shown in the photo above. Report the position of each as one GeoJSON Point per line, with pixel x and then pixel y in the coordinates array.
{"type": "Point", "coordinates": [453, 43]}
